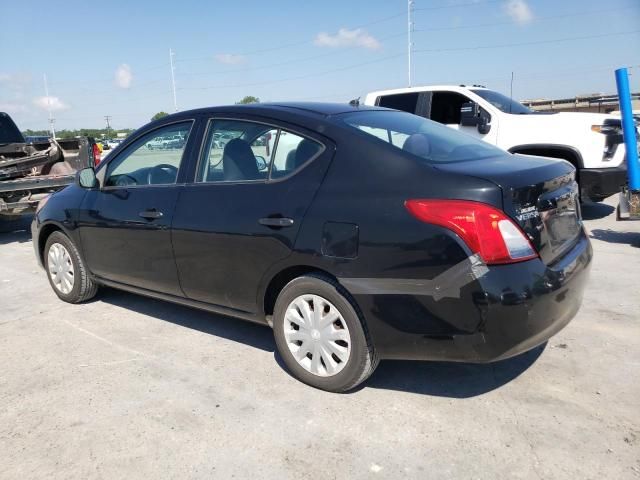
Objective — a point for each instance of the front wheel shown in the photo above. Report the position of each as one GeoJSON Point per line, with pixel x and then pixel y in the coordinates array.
{"type": "Point", "coordinates": [320, 335]}
{"type": "Point", "coordinates": [66, 271]}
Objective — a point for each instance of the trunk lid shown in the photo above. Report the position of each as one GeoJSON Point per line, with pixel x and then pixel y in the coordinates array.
{"type": "Point", "coordinates": [539, 194]}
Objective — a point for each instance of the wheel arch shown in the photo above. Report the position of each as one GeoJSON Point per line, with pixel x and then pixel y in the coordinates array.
{"type": "Point", "coordinates": [44, 233]}
{"type": "Point", "coordinates": [280, 279]}
{"type": "Point", "coordinates": [564, 152]}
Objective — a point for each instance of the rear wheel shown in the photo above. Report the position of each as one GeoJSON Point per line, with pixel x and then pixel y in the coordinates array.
{"type": "Point", "coordinates": [66, 271]}
{"type": "Point", "coordinates": [320, 335]}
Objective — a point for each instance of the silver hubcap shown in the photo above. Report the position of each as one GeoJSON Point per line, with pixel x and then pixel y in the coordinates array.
{"type": "Point", "coordinates": [60, 268]}
{"type": "Point", "coordinates": [317, 335]}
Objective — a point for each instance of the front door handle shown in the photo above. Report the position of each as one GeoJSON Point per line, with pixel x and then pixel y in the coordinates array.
{"type": "Point", "coordinates": [150, 214]}
{"type": "Point", "coordinates": [277, 222]}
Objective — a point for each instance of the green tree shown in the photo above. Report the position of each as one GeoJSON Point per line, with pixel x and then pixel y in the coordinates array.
{"type": "Point", "coordinates": [159, 115]}
{"type": "Point", "coordinates": [248, 99]}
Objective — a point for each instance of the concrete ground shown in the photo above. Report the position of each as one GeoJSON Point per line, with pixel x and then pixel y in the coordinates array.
{"type": "Point", "coordinates": [128, 387]}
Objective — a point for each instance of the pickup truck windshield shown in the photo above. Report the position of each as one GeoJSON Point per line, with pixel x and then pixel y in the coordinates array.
{"type": "Point", "coordinates": [502, 102]}
{"type": "Point", "coordinates": [9, 133]}
{"type": "Point", "coordinates": [424, 138]}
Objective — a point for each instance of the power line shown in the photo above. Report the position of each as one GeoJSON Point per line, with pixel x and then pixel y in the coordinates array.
{"type": "Point", "coordinates": [103, 80]}
{"type": "Point", "coordinates": [315, 74]}
{"type": "Point", "coordinates": [287, 62]}
{"type": "Point", "coordinates": [348, 67]}
{"type": "Point", "coordinates": [297, 43]}
{"type": "Point", "coordinates": [536, 19]}
{"type": "Point", "coordinates": [520, 44]}
{"type": "Point", "coordinates": [456, 5]}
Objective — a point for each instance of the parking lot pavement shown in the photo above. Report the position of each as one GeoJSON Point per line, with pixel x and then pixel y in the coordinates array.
{"type": "Point", "coordinates": [128, 387]}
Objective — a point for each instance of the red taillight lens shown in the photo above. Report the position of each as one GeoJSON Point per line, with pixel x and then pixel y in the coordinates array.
{"type": "Point", "coordinates": [96, 155]}
{"type": "Point", "coordinates": [485, 229]}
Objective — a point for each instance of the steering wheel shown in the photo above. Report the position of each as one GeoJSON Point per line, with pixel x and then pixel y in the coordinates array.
{"type": "Point", "coordinates": [163, 173]}
{"type": "Point", "coordinates": [125, 180]}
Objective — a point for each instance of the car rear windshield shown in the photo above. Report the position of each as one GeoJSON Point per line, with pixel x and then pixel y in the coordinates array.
{"type": "Point", "coordinates": [426, 139]}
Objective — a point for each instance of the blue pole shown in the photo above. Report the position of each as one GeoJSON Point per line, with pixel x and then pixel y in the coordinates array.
{"type": "Point", "coordinates": [628, 129]}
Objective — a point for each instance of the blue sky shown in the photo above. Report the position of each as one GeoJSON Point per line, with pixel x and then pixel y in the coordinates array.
{"type": "Point", "coordinates": [113, 58]}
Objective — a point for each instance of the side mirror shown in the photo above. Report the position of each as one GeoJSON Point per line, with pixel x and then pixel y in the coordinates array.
{"type": "Point", "coordinates": [86, 178]}
{"type": "Point", "coordinates": [469, 114]}
{"type": "Point", "coordinates": [261, 162]}
{"type": "Point", "coordinates": [484, 126]}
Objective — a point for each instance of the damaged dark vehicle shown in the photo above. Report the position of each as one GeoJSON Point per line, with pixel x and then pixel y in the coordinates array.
{"type": "Point", "coordinates": [31, 169]}
{"type": "Point", "coordinates": [356, 233]}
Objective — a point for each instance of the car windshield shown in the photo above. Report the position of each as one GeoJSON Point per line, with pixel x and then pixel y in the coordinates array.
{"type": "Point", "coordinates": [502, 102]}
{"type": "Point", "coordinates": [426, 139]}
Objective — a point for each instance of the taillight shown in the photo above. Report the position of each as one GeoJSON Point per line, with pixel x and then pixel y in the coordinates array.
{"type": "Point", "coordinates": [96, 155]}
{"type": "Point", "coordinates": [485, 229]}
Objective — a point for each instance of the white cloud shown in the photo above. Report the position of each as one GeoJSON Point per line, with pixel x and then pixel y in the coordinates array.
{"type": "Point", "coordinates": [230, 58]}
{"type": "Point", "coordinates": [123, 76]}
{"type": "Point", "coordinates": [348, 38]}
{"type": "Point", "coordinates": [519, 11]}
{"type": "Point", "coordinates": [50, 102]}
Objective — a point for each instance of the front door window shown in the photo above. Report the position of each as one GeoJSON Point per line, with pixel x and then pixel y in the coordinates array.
{"type": "Point", "coordinates": [154, 159]}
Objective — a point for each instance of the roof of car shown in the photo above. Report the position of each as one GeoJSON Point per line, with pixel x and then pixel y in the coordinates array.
{"type": "Point", "coordinates": [302, 108]}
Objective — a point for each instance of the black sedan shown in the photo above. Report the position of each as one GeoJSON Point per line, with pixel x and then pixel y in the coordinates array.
{"type": "Point", "coordinates": [356, 233]}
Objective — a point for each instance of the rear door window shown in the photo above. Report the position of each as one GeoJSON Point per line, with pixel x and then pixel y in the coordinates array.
{"type": "Point", "coordinates": [407, 102]}
{"type": "Point", "coordinates": [239, 150]}
{"type": "Point", "coordinates": [292, 153]}
{"type": "Point", "coordinates": [236, 151]}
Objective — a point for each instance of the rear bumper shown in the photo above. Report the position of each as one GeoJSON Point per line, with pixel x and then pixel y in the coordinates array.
{"type": "Point", "coordinates": [602, 182]}
{"type": "Point", "coordinates": [516, 308]}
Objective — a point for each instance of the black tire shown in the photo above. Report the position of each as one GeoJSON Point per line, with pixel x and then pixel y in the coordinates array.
{"type": "Point", "coordinates": [362, 358]}
{"type": "Point", "coordinates": [84, 288]}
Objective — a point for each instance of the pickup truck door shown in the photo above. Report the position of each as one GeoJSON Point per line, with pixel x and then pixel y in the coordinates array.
{"type": "Point", "coordinates": [125, 224]}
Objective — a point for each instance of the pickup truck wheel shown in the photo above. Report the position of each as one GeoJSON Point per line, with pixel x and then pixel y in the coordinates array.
{"type": "Point", "coordinates": [66, 271]}
{"type": "Point", "coordinates": [320, 335]}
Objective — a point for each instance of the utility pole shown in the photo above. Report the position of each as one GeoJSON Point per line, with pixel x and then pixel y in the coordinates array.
{"type": "Point", "coordinates": [173, 81]}
{"type": "Point", "coordinates": [107, 119]}
{"type": "Point", "coordinates": [511, 91]}
{"type": "Point", "coordinates": [409, 42]}
{"type": "Point", "coordinates": [51, 119]}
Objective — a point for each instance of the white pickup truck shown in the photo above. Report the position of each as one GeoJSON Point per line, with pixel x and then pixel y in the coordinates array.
{"type": "Point", "coordinates": [592, 142]}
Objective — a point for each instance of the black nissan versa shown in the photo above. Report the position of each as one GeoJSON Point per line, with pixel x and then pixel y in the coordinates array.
{"type": "Point", "coordinates": [357, 233]}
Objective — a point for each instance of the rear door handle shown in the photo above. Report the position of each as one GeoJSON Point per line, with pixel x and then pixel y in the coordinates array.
{"type": "Point", "coordinates": [277, 222]}
{"type": "Point", "coordinates": [150, 214]}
